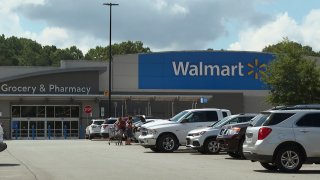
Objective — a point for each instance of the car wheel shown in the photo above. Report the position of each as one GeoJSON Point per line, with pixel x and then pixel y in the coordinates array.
{"type": "Point", "coordinates": [167, 143]}
{"type": "Point", "coordinates": [154, 149]}
{"type": "Point", "coordinates": [211, 146]}
{"type": "Point", "coordinates": [269, 166]}
{"type": "Point", "coordinates": [234, 155]}
{"type": "Point", "coordinates": [289, 159]}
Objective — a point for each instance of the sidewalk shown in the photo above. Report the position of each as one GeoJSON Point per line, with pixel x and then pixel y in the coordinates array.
{"type": "Point", "coordinates": [13, 169]}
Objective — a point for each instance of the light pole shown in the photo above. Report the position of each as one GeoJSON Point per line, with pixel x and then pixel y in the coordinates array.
{"type": "Point", "coordinates": [110, 59]}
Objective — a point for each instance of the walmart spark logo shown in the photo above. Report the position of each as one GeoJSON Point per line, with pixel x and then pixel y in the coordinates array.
{"type": "Point", "coordinates": [257, 70]}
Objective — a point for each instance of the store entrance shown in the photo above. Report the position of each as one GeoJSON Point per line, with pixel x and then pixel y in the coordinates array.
{"type": "Point", "coordinates": [45, 129]}
{"type": "Point", "coordinates": [45, 121]}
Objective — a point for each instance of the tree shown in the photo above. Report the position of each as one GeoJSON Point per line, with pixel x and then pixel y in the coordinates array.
{"type": "Point", "coordinates": [26, 52]}
{"type": "Point", "coordinates": [129, 47]}
{"type": "Point", "coordinates": [293, 78]}
{"type": "Point", "coordinates": [98, 53]}
{"type": "Point", "coordinates": [29, 54]}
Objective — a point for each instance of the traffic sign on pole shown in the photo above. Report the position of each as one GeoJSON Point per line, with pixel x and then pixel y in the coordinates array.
{"type": "Point", "coordinates": [87, 109]}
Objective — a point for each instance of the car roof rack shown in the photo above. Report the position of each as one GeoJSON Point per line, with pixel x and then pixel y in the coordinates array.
{"type": "Point", "coordinates": [302, 106]}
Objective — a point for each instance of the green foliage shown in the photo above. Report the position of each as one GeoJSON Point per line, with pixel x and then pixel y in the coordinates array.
{"type": "Point", "coordinates": [25, 52]}
{"type": "Point", "coordinates": [129, 47]}
{"type": "Point", "coordinates": [293, 77]}
{"type": "Point", "coordinates": [99, 53]}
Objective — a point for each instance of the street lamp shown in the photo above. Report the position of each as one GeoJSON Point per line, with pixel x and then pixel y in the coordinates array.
{"type": "Point", "coordinates": [110, 58]}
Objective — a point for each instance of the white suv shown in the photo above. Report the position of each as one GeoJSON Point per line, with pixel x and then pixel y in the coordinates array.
{"type": "Point", "coordinates": [167, 136]}
{"type": "Point", "coordinates": [285, 140]}
{"type": "Point", "coordinates": [93, 130]}
{"type": "Point", "coordinates": [106, 126]}
{"type": "Point", "coordinates": [204, 139]}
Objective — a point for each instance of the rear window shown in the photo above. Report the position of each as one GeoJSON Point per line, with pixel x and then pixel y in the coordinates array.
{"type": "Point", "coordinates": [202, 116]}
{"type": "Point", "coordinates": [276, 118]}
{"type": "Point", "coordinates": [259, 119]}
{"type": "Point", "coordinates": [97, 122]}
{"type": "Point", "coordinates": [111, 121]}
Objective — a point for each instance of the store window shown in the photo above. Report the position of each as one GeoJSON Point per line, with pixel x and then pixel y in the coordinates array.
{"type": "Point", "coordinates": [75, 111]}
{"type": "Point", "coordinates": [28, 111]}
{"type": "Point", "coordinates": [15, 111]}
{"type": "Point", "coordinates": [50, 111]}
{"type": "Point", "coordinates": [41, 111]}
{"type": "Point", "coordinates": [62, 111]}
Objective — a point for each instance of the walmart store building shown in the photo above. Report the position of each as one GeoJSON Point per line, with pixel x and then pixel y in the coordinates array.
{"type": "Point", "coordinates": [48, 102]}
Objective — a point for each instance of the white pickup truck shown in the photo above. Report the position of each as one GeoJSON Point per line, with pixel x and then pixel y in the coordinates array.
{"type": "Point", "coordinates": [167, 136]}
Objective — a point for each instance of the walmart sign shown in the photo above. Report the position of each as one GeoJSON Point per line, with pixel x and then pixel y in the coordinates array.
{"type": "Point", "coordinates": [203, 70]}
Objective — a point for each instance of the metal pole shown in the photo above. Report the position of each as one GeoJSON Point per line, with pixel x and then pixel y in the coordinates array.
{"type": "Point", "coordinates": [110, 59]}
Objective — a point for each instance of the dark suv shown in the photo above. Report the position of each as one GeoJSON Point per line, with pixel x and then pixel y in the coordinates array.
{"type": "Point", "coordinates": [232, 136]}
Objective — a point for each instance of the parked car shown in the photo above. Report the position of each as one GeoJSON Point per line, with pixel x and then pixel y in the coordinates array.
{"type": "Point", "coordinates": [93, 130]}
{"type": "Point", "coordinates": [137, 127]}
{"type": "Point", "coordinates": [106, 125]}
{"type": "Point", "coordinates": [204, 139]}
{"type": "Point", "coordinates": [285, 140]}
{"type": "Point", "coordinates": [167, 136]}
{"type": "Point", "coordinates": [3, 146]}
{"type": "Point", "coordinates": [231, 136]}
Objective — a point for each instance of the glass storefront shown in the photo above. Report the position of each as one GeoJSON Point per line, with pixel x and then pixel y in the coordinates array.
{"type": "Point", "coordinates": [45, 122]}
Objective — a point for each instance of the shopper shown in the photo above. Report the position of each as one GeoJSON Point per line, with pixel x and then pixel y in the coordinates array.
{"type": "Point", "coordinates": [129, 133]}
{"type": "Point", "coordinates": [1, 133]}
{"type": "Point", "coordinates": [121, 126]}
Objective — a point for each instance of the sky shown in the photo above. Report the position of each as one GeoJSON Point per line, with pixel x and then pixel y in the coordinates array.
{"type": "Point", "coordinates": [164, 25]}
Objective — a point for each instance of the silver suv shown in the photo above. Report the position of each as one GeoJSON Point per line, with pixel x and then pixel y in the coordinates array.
{"type": "Point", "coordinates": [285, 140]}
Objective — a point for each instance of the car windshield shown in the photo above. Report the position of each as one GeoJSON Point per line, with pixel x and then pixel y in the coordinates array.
{"type": "Point", "coordinates": [111, 121]}
{"type": "Point", "coordinates": [135, 119]}
{"type": "Point", "coordinates": [222, 122]}
{"type": "Point", "coordinates": [177, 117]}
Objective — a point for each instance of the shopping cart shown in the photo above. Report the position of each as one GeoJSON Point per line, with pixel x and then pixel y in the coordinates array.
{"type": "Point", "coordinates": [115, 135]}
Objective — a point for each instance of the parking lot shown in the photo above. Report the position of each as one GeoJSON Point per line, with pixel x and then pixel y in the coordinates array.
{"type": "Point", "coordinates": [94, 160]}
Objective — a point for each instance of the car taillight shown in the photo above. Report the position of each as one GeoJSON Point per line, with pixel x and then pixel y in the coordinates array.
{"type": "Point", "coordinates": [264, 132]}
{"type": "Point", "coordinates": [234, 131]}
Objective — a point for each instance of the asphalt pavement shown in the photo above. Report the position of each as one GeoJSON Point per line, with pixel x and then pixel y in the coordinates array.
{"type": "Point", "coordinates": [95, 160]}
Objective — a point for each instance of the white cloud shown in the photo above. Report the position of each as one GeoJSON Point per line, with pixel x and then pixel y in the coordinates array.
{"type": "Point", "coordinates": [10, 21]}
{"type": "Point", "coordinates": [159, 24]}
{"type": "Point", "coordinates": [179, 9]}
{"type": "Point", "coordinates": [311, 29]}
{"type": "Point", "coordinates": [161, 4]}
{"type": "Point", "coordinates": [53, 35]}
{"type": "Point", "coordinates": [306, 33]}
{"type": "Point", "coordinates": [62, 38]}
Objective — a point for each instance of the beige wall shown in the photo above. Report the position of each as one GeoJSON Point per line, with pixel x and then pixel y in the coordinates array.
{"type": "Point", "coordinates": [125, 73]}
